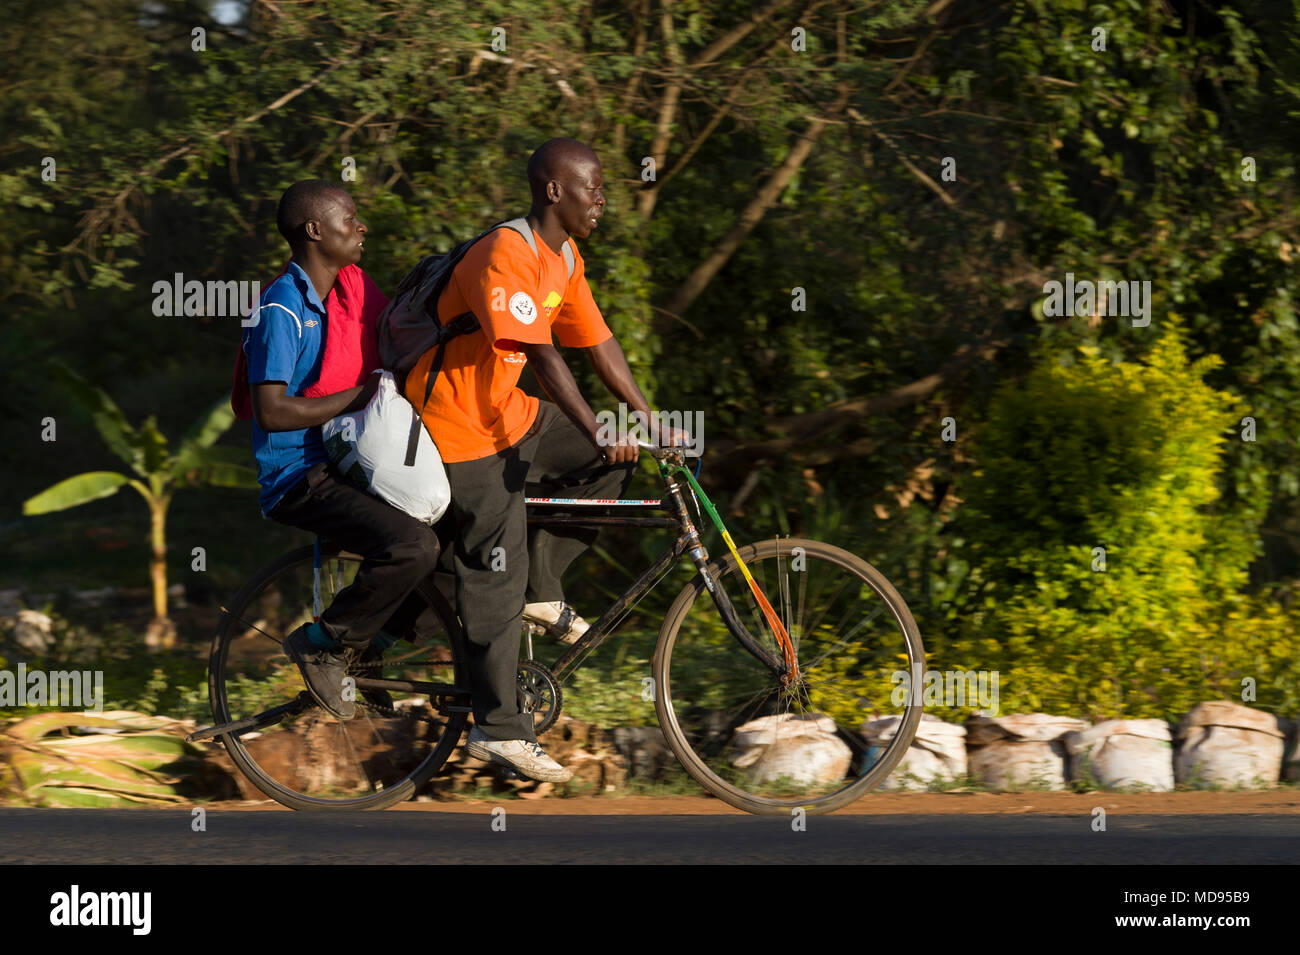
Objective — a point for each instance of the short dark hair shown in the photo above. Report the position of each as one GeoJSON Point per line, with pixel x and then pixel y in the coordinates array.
{"type": "Point", "coordinates": [302, 201]}
{"type": "Point", "coordinates": [554, 157]}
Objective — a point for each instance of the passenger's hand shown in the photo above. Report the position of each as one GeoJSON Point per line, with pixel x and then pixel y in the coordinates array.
{"type": "Point", "coordinates": [369, 387]}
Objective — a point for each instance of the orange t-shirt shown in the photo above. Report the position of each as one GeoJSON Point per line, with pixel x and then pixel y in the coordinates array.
{"type": "Point", "coordinates": [477, 407]}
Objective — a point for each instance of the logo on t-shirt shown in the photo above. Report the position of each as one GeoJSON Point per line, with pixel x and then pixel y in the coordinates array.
{"type": "Point", "coordinates": [523, 308]}
{"type": "Point", "coordinates": [551, 303]}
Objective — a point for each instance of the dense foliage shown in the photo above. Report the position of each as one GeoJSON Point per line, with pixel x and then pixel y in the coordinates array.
{"type": "Point", "coordinates": [1107, 583]}
{"type": "Point", "coordinates": [842, 252]}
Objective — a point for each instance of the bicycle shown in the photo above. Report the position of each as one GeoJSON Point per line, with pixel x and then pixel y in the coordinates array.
{"type": "Point", "coordinates": [761, 704]}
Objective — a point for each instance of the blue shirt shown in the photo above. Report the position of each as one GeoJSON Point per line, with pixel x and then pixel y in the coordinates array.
{"type": "Point", "coordinates": [285, 345]}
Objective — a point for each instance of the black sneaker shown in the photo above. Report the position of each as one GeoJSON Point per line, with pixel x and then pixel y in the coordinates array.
{"type": "Point", "coordinates": [322, 670]}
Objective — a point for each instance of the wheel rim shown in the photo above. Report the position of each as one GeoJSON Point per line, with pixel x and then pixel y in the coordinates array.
{"type": "Point", "coordinates": [312, 759]}
{"type": "Point", "coordinates": [763, 745]}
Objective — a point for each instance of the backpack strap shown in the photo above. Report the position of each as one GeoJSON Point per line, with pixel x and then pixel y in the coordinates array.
{"type": "Point", "coordinates": [460, 325]}
{"type": "Point", "coordinates": [567, 251]}
{"type": "Point", "coordinates": [417, 417]}
{"type": "Point", "coordinates": [522, 227]}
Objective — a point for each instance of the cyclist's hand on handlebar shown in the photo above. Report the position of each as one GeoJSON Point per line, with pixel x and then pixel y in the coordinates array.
{"type": "Point", "coordinates": [623, 453]}
{"type": "Point", "coordinates": [674, 438]}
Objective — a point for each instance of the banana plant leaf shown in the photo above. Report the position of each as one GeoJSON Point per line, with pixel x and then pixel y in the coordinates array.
{"type": "Point", "coordinates": [221, 466]}
{"type": "Point", "coordinates": [76, 490]}
{"type": "Point", "coordinates": [153, 446]}
{"type": "Point", "coordinates": [107, 417]}
{"type": "Point", "coordinates": [205, 430]}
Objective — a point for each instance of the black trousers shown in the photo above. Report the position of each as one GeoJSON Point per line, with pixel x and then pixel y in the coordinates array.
{"type": "Point", "coordinates": [500, 565]}
{"type": "Point", "coordinates": [398, 553]}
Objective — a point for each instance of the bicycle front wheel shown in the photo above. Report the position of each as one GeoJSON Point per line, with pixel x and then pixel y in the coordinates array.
{"type": "Point", "coordinates": [768, 738]}
{"type": "Point", "coordinates": [293, 750]}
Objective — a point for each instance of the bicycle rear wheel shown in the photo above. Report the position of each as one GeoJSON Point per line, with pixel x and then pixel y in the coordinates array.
{"type": "Point", "coordinates": [768, 746]}
{"type": "Point", "coordinates": [295, 751]}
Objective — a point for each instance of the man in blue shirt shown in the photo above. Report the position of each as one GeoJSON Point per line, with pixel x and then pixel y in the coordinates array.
{"type": "Point", "coordinates": [284, 349]}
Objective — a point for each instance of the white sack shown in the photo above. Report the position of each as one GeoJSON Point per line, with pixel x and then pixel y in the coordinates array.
{"type": "Point", "coordinates": [937, 753]}
{"type": "Point", "coordinates": [804, 749]}
{"type": "Point", "coordinates": [1123, 753]}
{"type": "Point", "coordinates": [1024, 749]}
{"type": "Point", "coordinates": [369, 449]}
{"type": "Point", "coordinates": [1227, 744]}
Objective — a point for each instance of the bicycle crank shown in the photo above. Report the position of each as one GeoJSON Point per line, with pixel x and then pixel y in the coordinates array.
{"type": "Point", "coordinates": [539, 694]}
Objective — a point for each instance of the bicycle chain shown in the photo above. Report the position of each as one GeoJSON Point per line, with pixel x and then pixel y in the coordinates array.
{"type": "Point", "coordinates": [385, 711]}
{"type": "Point", "coordinates": [392, 714]}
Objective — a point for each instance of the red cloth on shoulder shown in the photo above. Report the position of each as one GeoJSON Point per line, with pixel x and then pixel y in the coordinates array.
{"type": "Point", "coordinates": [351, 342]}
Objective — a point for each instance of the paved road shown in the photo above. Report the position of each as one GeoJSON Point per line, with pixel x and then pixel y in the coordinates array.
{"type": "Point", "coordinates": [148, 836]}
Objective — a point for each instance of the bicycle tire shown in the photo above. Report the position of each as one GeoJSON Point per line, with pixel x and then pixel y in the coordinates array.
{"type": "Point", "coordinates": [235, 620]}
{"type": "Point", "coordinates": [720, 570]}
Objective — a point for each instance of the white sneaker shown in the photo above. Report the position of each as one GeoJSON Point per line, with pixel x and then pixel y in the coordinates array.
{"type": "Point", "coordinates": [527, 759]}
{"type": "Point", "coordinates": [558, 618]}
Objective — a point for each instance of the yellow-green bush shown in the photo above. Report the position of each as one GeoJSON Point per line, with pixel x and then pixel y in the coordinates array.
{"type": "Point", "coordinates": [1121, 456]}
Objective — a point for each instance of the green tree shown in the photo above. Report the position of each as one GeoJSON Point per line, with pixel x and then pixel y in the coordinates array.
{"type": "Point", "coordinates": [159, 474]}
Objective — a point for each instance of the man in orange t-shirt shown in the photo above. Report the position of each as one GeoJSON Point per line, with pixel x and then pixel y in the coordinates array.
{"type": "Point", "coordinates": [494, 439]}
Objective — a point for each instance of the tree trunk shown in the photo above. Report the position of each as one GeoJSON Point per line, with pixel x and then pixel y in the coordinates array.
{"type": "Point", "coordinates": [161, 632]}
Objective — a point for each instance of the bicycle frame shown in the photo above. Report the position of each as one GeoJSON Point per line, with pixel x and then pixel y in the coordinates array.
{"type": "Point", "coordinates": [687, 542]}
{"type": "Point", "coordinates": [455, 699]}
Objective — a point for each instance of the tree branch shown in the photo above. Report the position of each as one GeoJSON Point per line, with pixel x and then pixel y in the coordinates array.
{"type": "Point", "coordinates": [801, 430]}
{"type": "Point", "coordinates": [750, 216]}
{"type": "Point", "coordinates": [114, 209]}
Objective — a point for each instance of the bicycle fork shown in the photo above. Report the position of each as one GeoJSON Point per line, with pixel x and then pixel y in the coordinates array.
{"type": "Point", "coordinates": [787, 668]}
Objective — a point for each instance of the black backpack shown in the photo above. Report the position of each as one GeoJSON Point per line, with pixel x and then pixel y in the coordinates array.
{"type": "Point", "coordinates": [408, 326]}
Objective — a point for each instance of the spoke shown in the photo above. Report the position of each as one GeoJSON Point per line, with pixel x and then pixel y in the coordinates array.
{"type": "Point", "coordinates": [830, 603]}
{"type": "Point", "coordinates": [783, 595]}
{"type": "Point", "coordinates": [823, 570]}
{"type": "Point", "coordinates": [762, 693]}
{"type": "Point", "coordinates": [355, 758]}
{"type": "Point", "coordinates": [749, 697]}
{"type": "Point", "coordinates": [847, 636]}
{"type": "Point", "coordinates": [797, 634]}
{"type": "Point", "coordinates": [382, 749]}
{"type": "Point", "coordinates": [253, 626]}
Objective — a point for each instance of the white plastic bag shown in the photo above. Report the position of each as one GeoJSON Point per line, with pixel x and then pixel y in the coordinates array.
{"type": "Point", "coordinates": [369, 449]}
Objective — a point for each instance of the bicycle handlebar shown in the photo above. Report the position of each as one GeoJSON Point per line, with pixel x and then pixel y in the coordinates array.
{"type": "Point", "coordinates": [658, 452]}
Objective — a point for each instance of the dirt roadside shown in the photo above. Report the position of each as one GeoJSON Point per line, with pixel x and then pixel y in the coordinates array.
{"type": "Point", "coordinates": [883, 804]}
